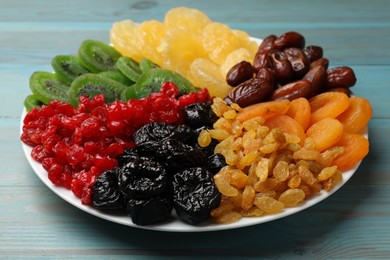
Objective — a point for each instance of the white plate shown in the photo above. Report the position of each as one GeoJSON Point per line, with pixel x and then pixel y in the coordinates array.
{"type": "Point", "coordinates": [175, 225]}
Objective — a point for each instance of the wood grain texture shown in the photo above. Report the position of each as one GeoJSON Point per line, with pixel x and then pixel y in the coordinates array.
{"type": "Point", "coordinates": [352, 223]}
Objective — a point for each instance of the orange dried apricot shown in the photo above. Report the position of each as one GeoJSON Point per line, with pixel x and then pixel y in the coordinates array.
{"type": "Point", "coordinates": [300, 110]}
{"type": "Point", "coordinates": [325, 133]}
{"type": "Point", "coordinates": [356, 148]}
{"type": "Point", "coordinates": [328, 104]}
{"type": "Point", "coordinates": [287, 125]}
{"type": "Point", "coordinates": [357, 115]}
{"type": "Point", "coordinates": [264, 110]}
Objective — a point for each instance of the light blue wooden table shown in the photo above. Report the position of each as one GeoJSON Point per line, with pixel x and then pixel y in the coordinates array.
{"type": "Point", "coordinates": [352, 223]}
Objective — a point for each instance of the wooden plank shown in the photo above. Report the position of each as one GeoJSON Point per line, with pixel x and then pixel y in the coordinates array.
{"type": "Point", "coordinates": [310, 13]}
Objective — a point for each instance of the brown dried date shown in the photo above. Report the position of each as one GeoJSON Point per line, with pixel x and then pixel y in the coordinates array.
{"type": "Point", "coordinates": [261, 60]}
{"type": "Point", "coordinates": [317, 77]}
{"type": "Point", "coordinates": [239, 73]}
{"type": "Point", "coordinates": [298, 60]}
{"type": "Point", "coordinates": [313, 52]}
{"type": "Point", "coordinates": [266, 74]}
{"type": "Point", "coordinates": [289, 39]}
{"type": "Point", "coordinates": [281, 66]}
{"type": "Point", "coordinates": [267, 43]}
{"type": "Point", "coordinates": [292, 90]}
{"type": "Point", "coordinates": [250, 92]}
{"type": "Point", "coordinates": [340, 77]}
{"type": "Point", "coordinates": [324, 62]}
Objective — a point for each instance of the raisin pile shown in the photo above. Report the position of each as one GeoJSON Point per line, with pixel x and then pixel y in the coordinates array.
{"type": "Point", "coordinates": [75, 145]}
{"type": "Point", "coordinates": [166, 170]}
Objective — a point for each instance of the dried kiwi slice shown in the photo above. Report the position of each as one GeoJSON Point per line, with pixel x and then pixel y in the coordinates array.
{"type": "Point", "coordinates": [128, 93]}
{"type": "Point", "coordinates": [67, 68]}
{"type": "Point", "coordinates": [152, 79]}
{"type": "Point", "coordinates": [46, 87]}
{"type": "Point", "coordinates": [146, 64]}
{"type": "Point", "coordinates": [91, 85]}
{"type": "Point", "coordinates": [117, 76]}
{"type": "Point", "coordinates": [129, 67]}
{"type": "Point", "coordinates": [97, 56]}
{"type": "Point", "coordinates": [32, 101]}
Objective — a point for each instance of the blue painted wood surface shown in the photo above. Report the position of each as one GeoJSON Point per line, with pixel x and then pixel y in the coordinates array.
{"type": "Point", "coordinates": [352, 223]}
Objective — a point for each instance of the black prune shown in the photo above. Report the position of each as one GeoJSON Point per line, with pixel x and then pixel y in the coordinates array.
{"type": "Point", "coordinates": [143, 178]}
{"type": "Point", "coordinates": [105, 192]}
{"type": "Point", "coordinates": [127, 155]}
{"type": "Point", "coordinates": [149, 211]}
{"type": "Point", "coordinates": [199, 114]}
{"type": "Point", "coordinates": [194, 194]}
{"type": "Point", "coordinates": [177, 155]}
{"type": "Point", "coordinates": [215, 162]}
{"type": "Point", "coordinates": [148, 137]}
{"type": "Point", "coordinates": [184, 134]}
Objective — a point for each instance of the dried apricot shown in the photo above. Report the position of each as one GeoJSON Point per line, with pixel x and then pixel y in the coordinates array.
{"type": "Point", "coordinates": [357, 115]}
{"type": "Point", "coordinates": [264, 110]}
{"type": "Point", "coordinates": [287, 125]}
{"type": "Point", "coordinates": [328, 104]}
{"type": "Point", "coordinates": [300, 110]}
{"type": "Point", "coordinates": [325, 133]}
{"type": "Point", "coordinates": [356, 148]}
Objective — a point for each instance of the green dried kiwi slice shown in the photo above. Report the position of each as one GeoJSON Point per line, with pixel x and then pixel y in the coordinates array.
{"type": "Point", "coordinates": [151, 81]}
{"type": "Point", "coordinates": [67, 68]}
{"type": "Point", "coordinates": [91, 85]}
{"type": "Point", "coordinates": [128, 93]}
{"type": "Point", "coordinates": [117, 76]}
{"type": "Point", "coordinates": [97, 56]}
{"type": "Point", "coordinates": [129, 67]}
{"type": "Point", "coordinates": [46, 87]}
{"type": "Point", "coordinates": [146, 64]}
{"type": "Point", "coordinates": [31, 101]}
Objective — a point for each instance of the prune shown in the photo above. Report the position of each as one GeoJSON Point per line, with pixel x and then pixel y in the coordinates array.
{"type": "Point", "coordinates": [148, 137]}
{"type": "Point", "coordinates": [184, 134]}
{"type": "Point", "coordinates": [199, 114]}
{"type": "Point", "coordinates": [127, 155]}
{"type": "Point", "coordinates": [105, 192]}
{"type": "Point", "coordinates": [195, 194]}
{"type": "Point", "coordinates": [149, 211]}
{"type": "Point", "coordinates": [177, 155]}
{"type": "Point", "coordinates": [143, 178]}
{"type": "Point", "coordinates": [215, 162]}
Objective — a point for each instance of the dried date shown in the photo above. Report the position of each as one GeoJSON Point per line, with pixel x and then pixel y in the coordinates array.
{"type": "Point", "coordinates": [281, 66]}
{"type": "Point", "coordinates": [239, 73]}
{"type": "Point", "coordinates": [324, 62]}
{"type": "Point", "coordinates": [341, 77]}
{"type": "Point", "coordinates": [317, 77]}
{"type": "Point", "coordinates": [298, 60]}
{"type": "Point", "coordinates": [289, 39]}
{"type": "Point", "coordinates": [250, 92]}
{"type": "Point", "coordinates": [292, 90]}
{"type": "Point", "coordinates": [313, 52]}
